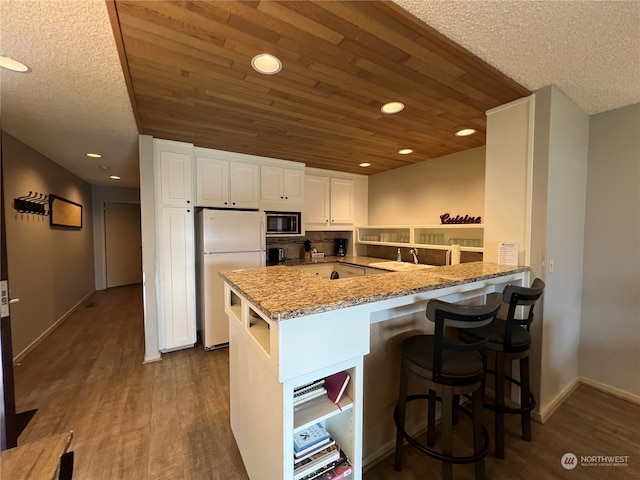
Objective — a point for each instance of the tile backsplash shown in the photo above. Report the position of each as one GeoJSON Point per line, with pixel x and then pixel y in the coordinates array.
{"type": "Point", "coordinates": [322, 241]}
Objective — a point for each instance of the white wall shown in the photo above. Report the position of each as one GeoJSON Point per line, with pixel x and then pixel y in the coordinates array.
{"type": "Point", "coordinates": [568, 142]}
{"type": "Point", "coordinates": [420, 193]}
{"type": "Point", "coordinates": [50, 268]}
{"type": "Point", "coordinates": [610, 333]}
{"type": "Point", "coordinates": [507, 182]}
{"type": "Point", "coordinates": [101, 195]}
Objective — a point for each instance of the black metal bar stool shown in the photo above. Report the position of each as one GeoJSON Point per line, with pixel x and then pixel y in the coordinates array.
{"type": "Point", "coordinates": [449, 368]}
{"type": "Point", "coordinates": [509, 340]}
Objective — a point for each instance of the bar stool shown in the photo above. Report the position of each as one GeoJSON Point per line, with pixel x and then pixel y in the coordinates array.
{"type": "Point", "coordinates": [509, 339]}
{"type": "Point", "coordinates": [450, 368]}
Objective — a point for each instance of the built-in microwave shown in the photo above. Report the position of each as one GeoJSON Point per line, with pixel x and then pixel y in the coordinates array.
{"type": "Point", "coordinates": [282, 223]}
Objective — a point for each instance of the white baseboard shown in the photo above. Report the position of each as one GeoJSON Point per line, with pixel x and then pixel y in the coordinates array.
{"type": "Point", "coordinates": [546, 413]}
{"type": "Point", "coordinates": [616, 392]}
{"type": "Point", "coordinates": [152, 358]}
{"type": "Point", "coordinates": [18, 358]}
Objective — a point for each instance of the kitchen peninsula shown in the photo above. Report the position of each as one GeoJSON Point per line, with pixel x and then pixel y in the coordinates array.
{"type": "Point", "coordinates": [289, 328]}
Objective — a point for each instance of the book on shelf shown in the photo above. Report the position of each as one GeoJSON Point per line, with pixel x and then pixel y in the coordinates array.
{"type": "Point", "coordinates": [336, 470]}
{"type": "Point", "coordinates": [308, 386]}
{"type": "Point", "coordinates": [316, 461]}
{"type": "Point", "coordinates": [305, 440]}
{"type": "Point", "coordinates": [321, 446]}
{"type": "Point", "coordinates": [335, 385]}
{"type": "Point", "coordinates": [309, 395]}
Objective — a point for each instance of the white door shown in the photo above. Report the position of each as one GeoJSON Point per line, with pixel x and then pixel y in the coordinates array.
{"type": "Point", "coordinates": [215, 322]}
{"type": "Point", "coordinates": [316, 200]}
{"type": "Point", "coordinates": [232, 231]}
{"type": "Point", "coordinates": [177, 312]}
{"type": "Point", "coordinates": [244, 188]}
{"type": "Point", "coordinates": [212, 182]}
{"type": "Point", "coordinates": [271, 183]}
{"type": "Point", "coordinates": [293, 185]}
{"type": "Point", "coordinates": [341, 201]}
{"type": "Point", "coordinates": [123, 244]}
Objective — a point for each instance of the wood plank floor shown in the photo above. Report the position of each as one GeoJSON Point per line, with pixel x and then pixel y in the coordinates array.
{"type": "Point", "coordinates": [170, 419]}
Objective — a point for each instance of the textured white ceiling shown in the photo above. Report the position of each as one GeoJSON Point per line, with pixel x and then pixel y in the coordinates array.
{"type": "Point", "coordinates": [75, 100]}
{"type": "Point", "coordinates": [589, 49]}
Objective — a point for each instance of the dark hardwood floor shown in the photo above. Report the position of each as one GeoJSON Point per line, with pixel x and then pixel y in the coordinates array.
{"type": "Point", "coordinates": [170, 419]}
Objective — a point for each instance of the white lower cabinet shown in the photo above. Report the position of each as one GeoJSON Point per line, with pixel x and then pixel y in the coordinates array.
{"type": "Point", "coordinates": [176, 259]}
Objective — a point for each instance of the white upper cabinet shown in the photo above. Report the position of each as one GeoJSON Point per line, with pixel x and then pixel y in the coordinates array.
{"type": "Point", "coordinates": [329, 202]}
{"type": "Point", "coordinates": [221, 183]}
{"type": "Point", "coordinates": [279, 184]}
{"type": "Point", "coordinates": [175, 177]}
{"type": "Point", "coordinates": [341, 201]}
{"type": "Point", "coordinates": [317, 200]}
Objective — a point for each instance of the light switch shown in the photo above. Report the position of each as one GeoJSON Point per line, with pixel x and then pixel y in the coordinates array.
{"type": "Point", "coordinates": [551, 265]}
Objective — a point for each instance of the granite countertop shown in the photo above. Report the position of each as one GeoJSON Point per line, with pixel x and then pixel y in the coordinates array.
{"type": "Point", "coordinates": [283, 293]}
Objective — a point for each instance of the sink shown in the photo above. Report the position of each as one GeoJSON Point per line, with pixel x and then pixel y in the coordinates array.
{"type": "Point", "coordinates": [400, 266]}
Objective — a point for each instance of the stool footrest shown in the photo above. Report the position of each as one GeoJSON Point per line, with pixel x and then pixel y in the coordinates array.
{"type": "Point", "coordinates": [434, 453]}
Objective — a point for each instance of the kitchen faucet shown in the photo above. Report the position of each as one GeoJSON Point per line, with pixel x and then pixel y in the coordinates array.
{"type": "Point", "coordinates": [414, 252]}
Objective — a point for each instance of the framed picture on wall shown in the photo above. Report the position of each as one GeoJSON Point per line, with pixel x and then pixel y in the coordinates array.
{"type": "Point", "coordinates": [64, 213]}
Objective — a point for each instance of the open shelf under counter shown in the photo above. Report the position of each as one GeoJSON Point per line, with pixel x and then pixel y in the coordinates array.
{"type": "Point", "coordinates": [318, 410]}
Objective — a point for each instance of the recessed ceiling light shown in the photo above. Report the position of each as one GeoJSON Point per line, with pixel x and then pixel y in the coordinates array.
{"type": "Point", "coordinates": [465, 132]}
{"type": "Point", "coordinates": [392, 107]}
{"type": "Point", "coordinates": [365, 164]}
{"type": "Point", "coordinates": [265, 63]}
{"type": "Point", "coordinates": [114, 177]}
{"type": "Point", "coordinates": [405, 151]}
{"type": "Point", "coordinates": [94, 155]}
{"type": "Point", "coordinates": [14, 65]}
{"type": "Point", "coordinates": [105, 167]}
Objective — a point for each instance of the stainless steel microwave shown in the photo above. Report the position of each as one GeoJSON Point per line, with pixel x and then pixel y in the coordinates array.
{"type": "Point", "coordinates": [282, 223]}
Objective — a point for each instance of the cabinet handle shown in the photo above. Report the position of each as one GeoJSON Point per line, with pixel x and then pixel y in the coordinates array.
{"type": "Point", "coordinates": [233, 203]}
{"type": "Point", "coordinates": [281, 198]}
{"type": "Point", "coordinates": [286, 198]}
{"type": "Point", "coordinates": [188, 201]}
{"type": "Point", "coordinates": [225, 203]}
{"type": "Point", "coordinates": [188, 210]}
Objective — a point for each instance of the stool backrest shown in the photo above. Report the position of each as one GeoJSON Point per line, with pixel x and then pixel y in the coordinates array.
{"type": "Point", "coordinates": [445, 314]}
{"type": "Point", "coordinates": [516, 296]}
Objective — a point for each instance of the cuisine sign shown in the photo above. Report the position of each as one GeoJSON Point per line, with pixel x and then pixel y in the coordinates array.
{"type": "Point", "coordinates": [448, 219]}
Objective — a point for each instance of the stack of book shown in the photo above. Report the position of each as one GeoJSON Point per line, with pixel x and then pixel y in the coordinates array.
{"type": "Point", "coordinates": [316, 455]}
{"type": "Point", "coordinates": [308, 392]}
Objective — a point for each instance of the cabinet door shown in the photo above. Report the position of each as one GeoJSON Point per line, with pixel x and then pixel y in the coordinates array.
{"type": "Point", "coordinates": [316, 200]}
{"type": "Point", "coordinates": [293, 185]}
{"type": "Point", "coordinates": [177, 316]}
{"type": "Point", "coordinates": [175, 178]}
{"type": "Point", "coordinates": [271, 183]}
{"type": "Point", "coordinates": [341, 201]}
{"type": "Point", "coordinates": [212, 186]}
{"type": "Point", "coordinates": [243, 185]}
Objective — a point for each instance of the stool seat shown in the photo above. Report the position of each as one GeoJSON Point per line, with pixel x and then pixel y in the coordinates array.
{"type": "Point", "coordinates": [457, 367]}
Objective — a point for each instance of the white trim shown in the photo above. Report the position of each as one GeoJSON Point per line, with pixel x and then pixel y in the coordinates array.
{"type": "Point", "coordinates": [616, 392]}
{"type": "Point", "coordinates": [152, 358]}
{"type": "Point", "coordinates": [18, 358]}
{"type": "Point", "coordinates": [509, 105]}
{"type": "Point", "coordinates": [545, 414]}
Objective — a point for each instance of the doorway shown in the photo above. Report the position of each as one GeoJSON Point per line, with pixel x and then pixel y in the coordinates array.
{"type": "Point", "coordinates": [123, 244]}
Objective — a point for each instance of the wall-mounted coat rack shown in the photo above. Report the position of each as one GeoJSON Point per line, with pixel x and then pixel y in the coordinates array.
{"type": "Point", "coordinates": [35, 203]}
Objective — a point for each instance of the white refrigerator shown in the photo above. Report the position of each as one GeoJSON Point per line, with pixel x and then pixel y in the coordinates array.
{"type": "Point", "coordinates": [225, 240]}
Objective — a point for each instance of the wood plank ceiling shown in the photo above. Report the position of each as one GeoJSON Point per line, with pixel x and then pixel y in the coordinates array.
{"type": "Point", "coordinates": [188, 68]}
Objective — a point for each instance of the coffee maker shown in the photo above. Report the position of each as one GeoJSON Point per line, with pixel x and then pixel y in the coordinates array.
{"type": "Point", "coordinates": [340, 247]}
